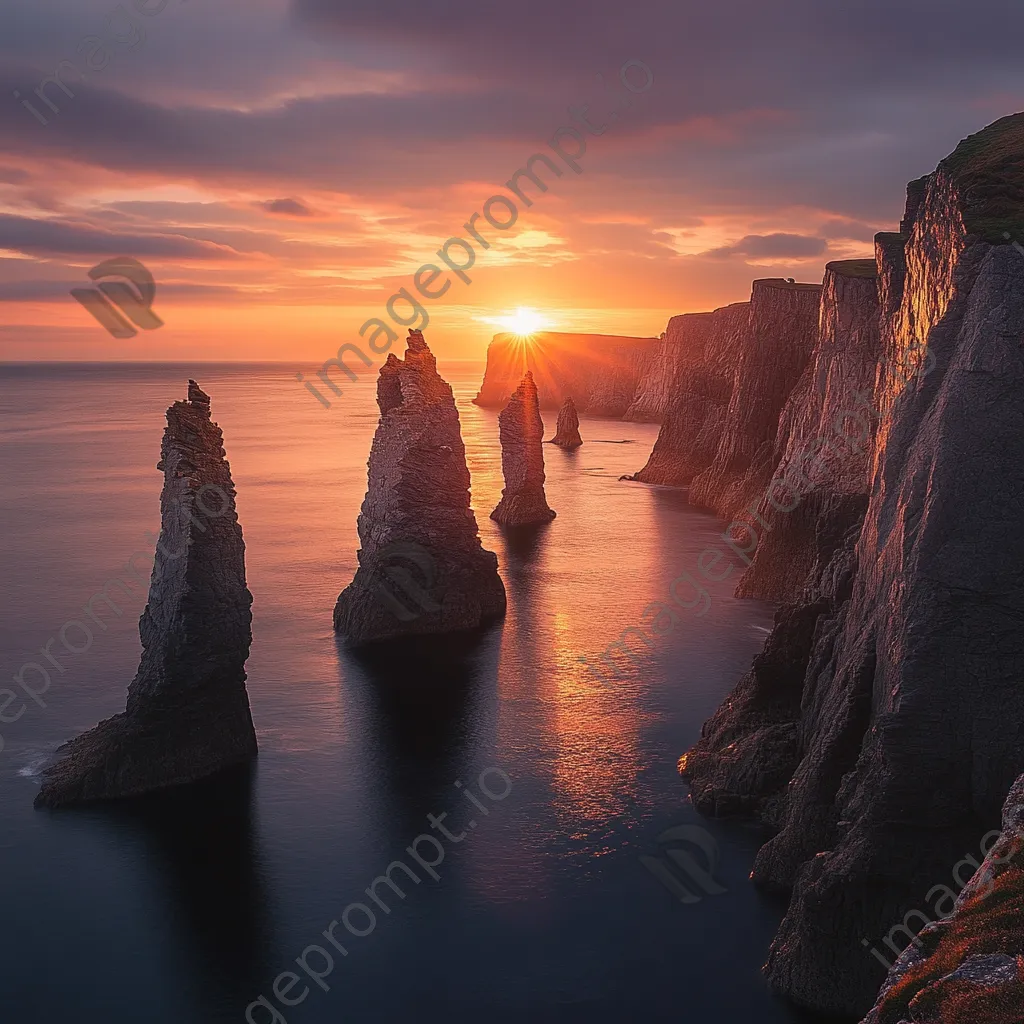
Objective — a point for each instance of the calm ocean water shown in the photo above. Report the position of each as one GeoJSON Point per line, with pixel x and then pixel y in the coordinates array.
{"type": "Point", "coordinates": [185, 909]}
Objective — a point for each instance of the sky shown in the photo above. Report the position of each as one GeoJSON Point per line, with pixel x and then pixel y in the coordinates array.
{"type": "Point", "coordinates": [283, 167]}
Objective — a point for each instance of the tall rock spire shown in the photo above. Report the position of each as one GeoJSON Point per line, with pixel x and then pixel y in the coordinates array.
{"type": "Point", "coordinates": [522, 459]}
{"type": "Point", "coordinates": [187, 714]}
{"type": "Point", "coordinates": [422, 568]}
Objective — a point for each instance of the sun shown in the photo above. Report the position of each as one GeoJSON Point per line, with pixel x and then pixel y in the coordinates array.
{"type": "Point", "coordinates": [523, 322]}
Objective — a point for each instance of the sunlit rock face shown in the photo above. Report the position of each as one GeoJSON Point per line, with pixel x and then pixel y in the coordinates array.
{"type": "Point", "coordinates": [188, 712]}
{"type": "Point", "coordinates": [782, 329]}
{"type": "Point", "coordinates": [882, 744]}
{"type": "Point", "coordinates": [697, 368]}
{"type": "Point", "coordinates": [522, 460]}
{"type": "Point", "coordinates": [422, 568]}
{"type": "Point", "coordinates": [567, 432]}
{"type": "Point", "coordinates": [968, 967]}
{"type": "Point", "coordinates": [824, 443]}
{"type": "Point", "coordinates": [601, 372]}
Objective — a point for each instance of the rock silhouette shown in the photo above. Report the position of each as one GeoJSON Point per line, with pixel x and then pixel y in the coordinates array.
{"type": "Point", "coordinates": [567, 433]}
{"type": "Point", "coordinates": [422, 568]}
{"type": "Point", "coordinates": [187, 713]}
{"type": "Point", "coordinates": [522, 460]}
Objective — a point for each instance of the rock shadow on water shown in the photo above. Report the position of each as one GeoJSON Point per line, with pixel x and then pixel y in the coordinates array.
{"type": "Point", "coordinates": [425, 696]}
{"type": "Point", "coordinates": [202, 844]}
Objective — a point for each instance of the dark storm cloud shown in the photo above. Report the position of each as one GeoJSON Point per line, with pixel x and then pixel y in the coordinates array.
{"type": "Point", "coordinates": [777, 246]}
{"type": "Point", "coordinates": [50, 291]}
{"type": "Point", "coordinates": [47, 237]}
{"type": "Point", "coordinates": [286, 207]}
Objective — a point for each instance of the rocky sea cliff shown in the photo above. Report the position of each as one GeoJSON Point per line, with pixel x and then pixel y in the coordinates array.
{"type": "Point", "coordinates": [870, 449]}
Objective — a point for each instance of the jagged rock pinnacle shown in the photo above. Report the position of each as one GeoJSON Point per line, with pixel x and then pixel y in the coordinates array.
{"type": "Point", "coordinates": [522, 459]}
{"type": "Point", "coordinates": [187, 714]}
{"type": "Point", "coordinates": [422, 568]}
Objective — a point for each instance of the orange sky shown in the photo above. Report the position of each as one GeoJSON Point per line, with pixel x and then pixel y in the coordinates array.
{"type": "Point", "coordinates": [282, 167]}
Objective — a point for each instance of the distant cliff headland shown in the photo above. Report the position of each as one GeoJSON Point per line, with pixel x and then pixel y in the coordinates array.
{"type": "Point", "coordinates": [865, 439]}
{"type": "Point", "coordinates": [603, 374]}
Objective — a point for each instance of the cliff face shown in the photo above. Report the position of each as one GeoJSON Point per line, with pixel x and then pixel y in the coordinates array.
{"type": "Point", "coordinates": [824, 442]}
{"type": "Point", "coordinates": [693, 383]}
{"type": "Point", "coordinates": [188, 712]}
{"type": "Point", "coordinates": [600, 372]}
{"type": "Point", "coordinates": [880, 730]}
{"type": "Point", "coordinates": [422, 568]}
{"type": "Point", "coordinates": [968, 967]}
{"type": "Point", "coordinates": [522, 460]}
{"type": "Point", "coordinates": [782, 328]}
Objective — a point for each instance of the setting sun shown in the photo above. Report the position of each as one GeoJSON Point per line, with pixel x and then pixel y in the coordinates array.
{"type": "Point", "coordinates": [523, 321]}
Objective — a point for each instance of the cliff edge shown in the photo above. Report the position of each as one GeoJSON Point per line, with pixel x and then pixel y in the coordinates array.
{"type": "Point", "coordinates": [880, 730]}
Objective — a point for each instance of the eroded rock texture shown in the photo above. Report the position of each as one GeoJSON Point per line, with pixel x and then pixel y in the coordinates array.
{"type": "Point", "coordinates": [601, 372]}
{"type": "Point", "coordinates": [701, 352]}
{"type": "Point", "coordinates": [890, 695]}
{"type": "Point", "coordinates": [823, 446]}
{"type": "Point", "coordinates": [782, 329]}
{"type": "Point", "coordinates": [567, 433]}
{"type": "Point", "coordinates": [188, 714]}
{"type": "Point", "coordinates": [968, 968]}
{"type": "Point", "coordinates": [522, 460]}
{"type": "Point", "coordinates": [422, 568]}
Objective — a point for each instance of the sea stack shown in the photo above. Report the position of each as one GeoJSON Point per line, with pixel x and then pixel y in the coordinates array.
{"type": "Point", "coordinates": [567, 434]}
{"type": "Point", "coordinates": [522, 459]}
{"type": "Point", "coordinates": [188, 714]}
{"type": "Point", "coordinates": [422, 568]}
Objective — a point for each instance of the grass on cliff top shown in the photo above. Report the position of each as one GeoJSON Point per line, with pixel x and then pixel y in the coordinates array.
{"type": "Point", "coordinates": [853, 268]}
{"type": "Point", "coordinates": [782, 282]}
{"type": "Point", "coordinates": [989, 167]}
{"type": "Point", "coordinates": [989, 923]}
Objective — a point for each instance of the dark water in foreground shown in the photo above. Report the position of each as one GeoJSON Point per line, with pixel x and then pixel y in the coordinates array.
{"type": "Point", "coordinates": [187, 908]}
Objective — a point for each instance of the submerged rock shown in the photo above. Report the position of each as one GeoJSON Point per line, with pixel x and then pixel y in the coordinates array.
{"type": "Point", "coordinates": [187, 714]}
{"type": "Point", "coordinates": [567, 433]}
{"type": "Point", "coordinates": [522, 460]}
{"type": "Point", "coordinates": [422, 568]}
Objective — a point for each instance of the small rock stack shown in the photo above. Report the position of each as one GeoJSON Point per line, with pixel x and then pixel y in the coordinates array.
{"type": "Point", "coordinates": [522, 460]}
{"type": "Point", "coordinates": [188, 711]}
{"type": "Point", "coordinates": [422, 568]}
{"type": "Point", "coordinates": [567, 434]}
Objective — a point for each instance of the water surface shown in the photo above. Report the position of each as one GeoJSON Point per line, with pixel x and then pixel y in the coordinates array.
{"type": "Point", "coordinates": [188, 907]}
